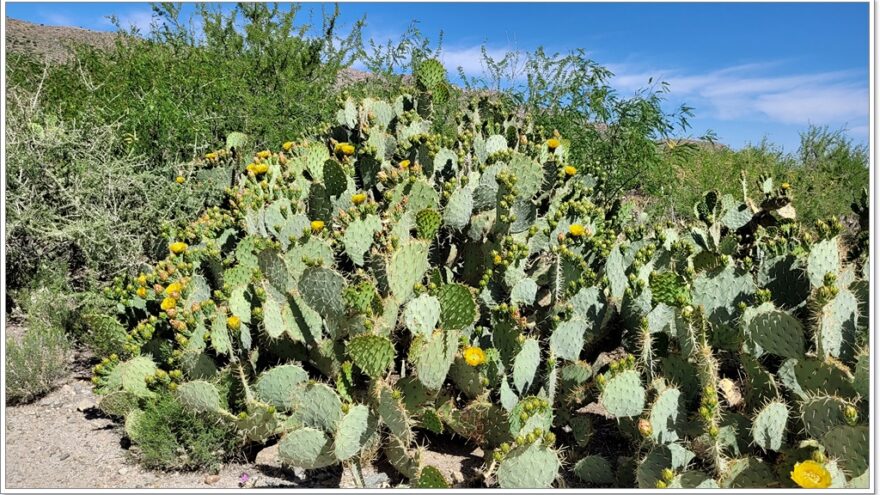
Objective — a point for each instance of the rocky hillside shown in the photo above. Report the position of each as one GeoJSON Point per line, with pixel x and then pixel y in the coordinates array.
{"type": "Point", "coordinates": [51, 42]}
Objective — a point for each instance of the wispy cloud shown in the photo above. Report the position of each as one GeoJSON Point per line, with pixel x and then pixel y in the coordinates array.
{"type": "Point", "coordinates": [140, 19]}
{"type": "Point", "coordinates": [56, 19]}
{"type": "Point", "coordinates": [761, 91]}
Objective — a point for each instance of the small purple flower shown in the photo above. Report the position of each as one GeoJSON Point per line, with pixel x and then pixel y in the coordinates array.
{"type": "Point", "coordinates": [243, 479]}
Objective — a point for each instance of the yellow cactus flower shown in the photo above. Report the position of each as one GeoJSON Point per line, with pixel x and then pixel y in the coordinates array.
{"type": "Point", "coordinates": [287, 146]}
{"type": "Point", "coordinates": [180, 179]}
{"type": "Point", "coordinates": [142, 292]}
{"type": "Point", "coordinates": [811, 474]}
{"type": "Point", "coordinates": [358, 198]}
{"type": "Point", "coordinates": [251, 168]}
{"type": "Point", "coordinates": [569, 170]}
{"type": "Point", "coordinates": [786, 186]}
{"type": "Point", "coordinates": [345, 148]}
{"type": "Point", "coordinates": [317, 225]}
{"type": "Point", "coordinates": [211, 156]}
{"type": "Point", "coordinates": [173, 287]}
{"type": "Point", "coordinates": [233, 322]}
{"type": "Point", "coordinates": [552, 144]}
{"type": "Point", "coordinates": [178, 247]}
{"type": "Point", "coordinates": [404, 164]}
{"type": "Point", "coordinates": [261, 168]}
{"type": "Point", "coordinates": [474, 356]}
{"type": "Point", "coordinates": [264, 154]}
{"type": "Point", "coordinates": [577, 230]}
{"type": "Point", "coordinates": [142, 279]}
{"type": "Point", "coordinates": [168, 303]}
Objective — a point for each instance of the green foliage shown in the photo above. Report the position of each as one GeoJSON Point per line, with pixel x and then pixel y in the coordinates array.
{"type": "Point", "coordinates": [826, 173]}
{"type": "Point", "coordinates": [341, 327]}
{"type": "Point", "coordinates": [35, 362]}
{"type": "Point", "coordinates": [169, 437]}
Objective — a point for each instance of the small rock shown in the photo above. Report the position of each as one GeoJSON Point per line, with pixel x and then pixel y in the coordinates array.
{"type": "Point", "coordinates": [378, 480]}
{"type": "Point", "coordinates": [123, 471]}
{"type": "Point", "coordinates": [268, 457]}
{"type": "Point", "coordinates": [64, 457]}
{"type": "Point", "coordinates": [67, 389]}
{"type": "Point", "coordinates": [85, 405]}
{"type": "Point", "coordinates": [211, 479]}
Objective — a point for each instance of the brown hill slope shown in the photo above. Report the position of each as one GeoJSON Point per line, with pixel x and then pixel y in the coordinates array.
{"type": "Point", "coordinates": [51, 42]}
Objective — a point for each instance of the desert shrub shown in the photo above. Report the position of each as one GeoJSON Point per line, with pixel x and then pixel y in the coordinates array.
{"type": "Point", "coordinates": [826, 173]}
{"type": "Point", "coordinates": [35, 362]}
{"type": "Point", "coordinates": [169, 437]}
{"type": "Point", "coordinates": [94, 144]}
{"type": "Point", "coordinates": [71, 200]}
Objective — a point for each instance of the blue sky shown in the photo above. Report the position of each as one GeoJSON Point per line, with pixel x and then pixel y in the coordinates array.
{"type": "Point", "coordinates": [750, 70]}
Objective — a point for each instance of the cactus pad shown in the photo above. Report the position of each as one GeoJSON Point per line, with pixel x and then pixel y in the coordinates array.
{"type": "Point", "coordinates": [373, 354]}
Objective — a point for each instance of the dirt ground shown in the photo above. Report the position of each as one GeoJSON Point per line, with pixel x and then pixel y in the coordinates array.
{"type": "Point", "coordinates": [64, 441]}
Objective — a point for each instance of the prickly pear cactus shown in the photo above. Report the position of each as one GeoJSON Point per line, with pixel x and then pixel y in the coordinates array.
{"type": "Point", "coordinates": [378, 279]}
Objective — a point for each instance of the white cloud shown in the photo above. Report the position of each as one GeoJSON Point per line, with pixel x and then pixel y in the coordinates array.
{"type": "Point", "coordinates": [141, 19]}
{"type": "Point", "coordinates": [750, 91]}
{"type": "Point", "coordinates": [57, 19]}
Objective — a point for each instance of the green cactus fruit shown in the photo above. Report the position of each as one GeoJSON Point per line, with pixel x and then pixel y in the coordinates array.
{"type": "Point", "coordinates": [528, 466]}
{"type": "Point", "coordinates": [422, 315]}
{"type": "Point", "coordinates": [480, 421]}
{"type": "Point", "coordinates": [530, 413]}
{"type": "Point", "coordinates": [353, 431]}
{"type": "Point", "coordinates": [595, 470]}
{"type": "Point", "coordinates": [307, 448]}
{"type": "Point", "coordinates": [623, 395]}
{"type": "Point", "coordinates": [373, 354]}
{"type": "Point", "coordinates": [407, 267]}
{"type": "Point", "coordinates": [317, 405]}
{"type": "Point", "coordinates": [768, 428]}
{"type": "Point", "coordinates": [457, 307]}
{"type": "Point", "coordinates": [199, 396]}
{"type": "Point", "coordinates": [430, 477]}
{"type": "Point", "coordinates": [277, 385]}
